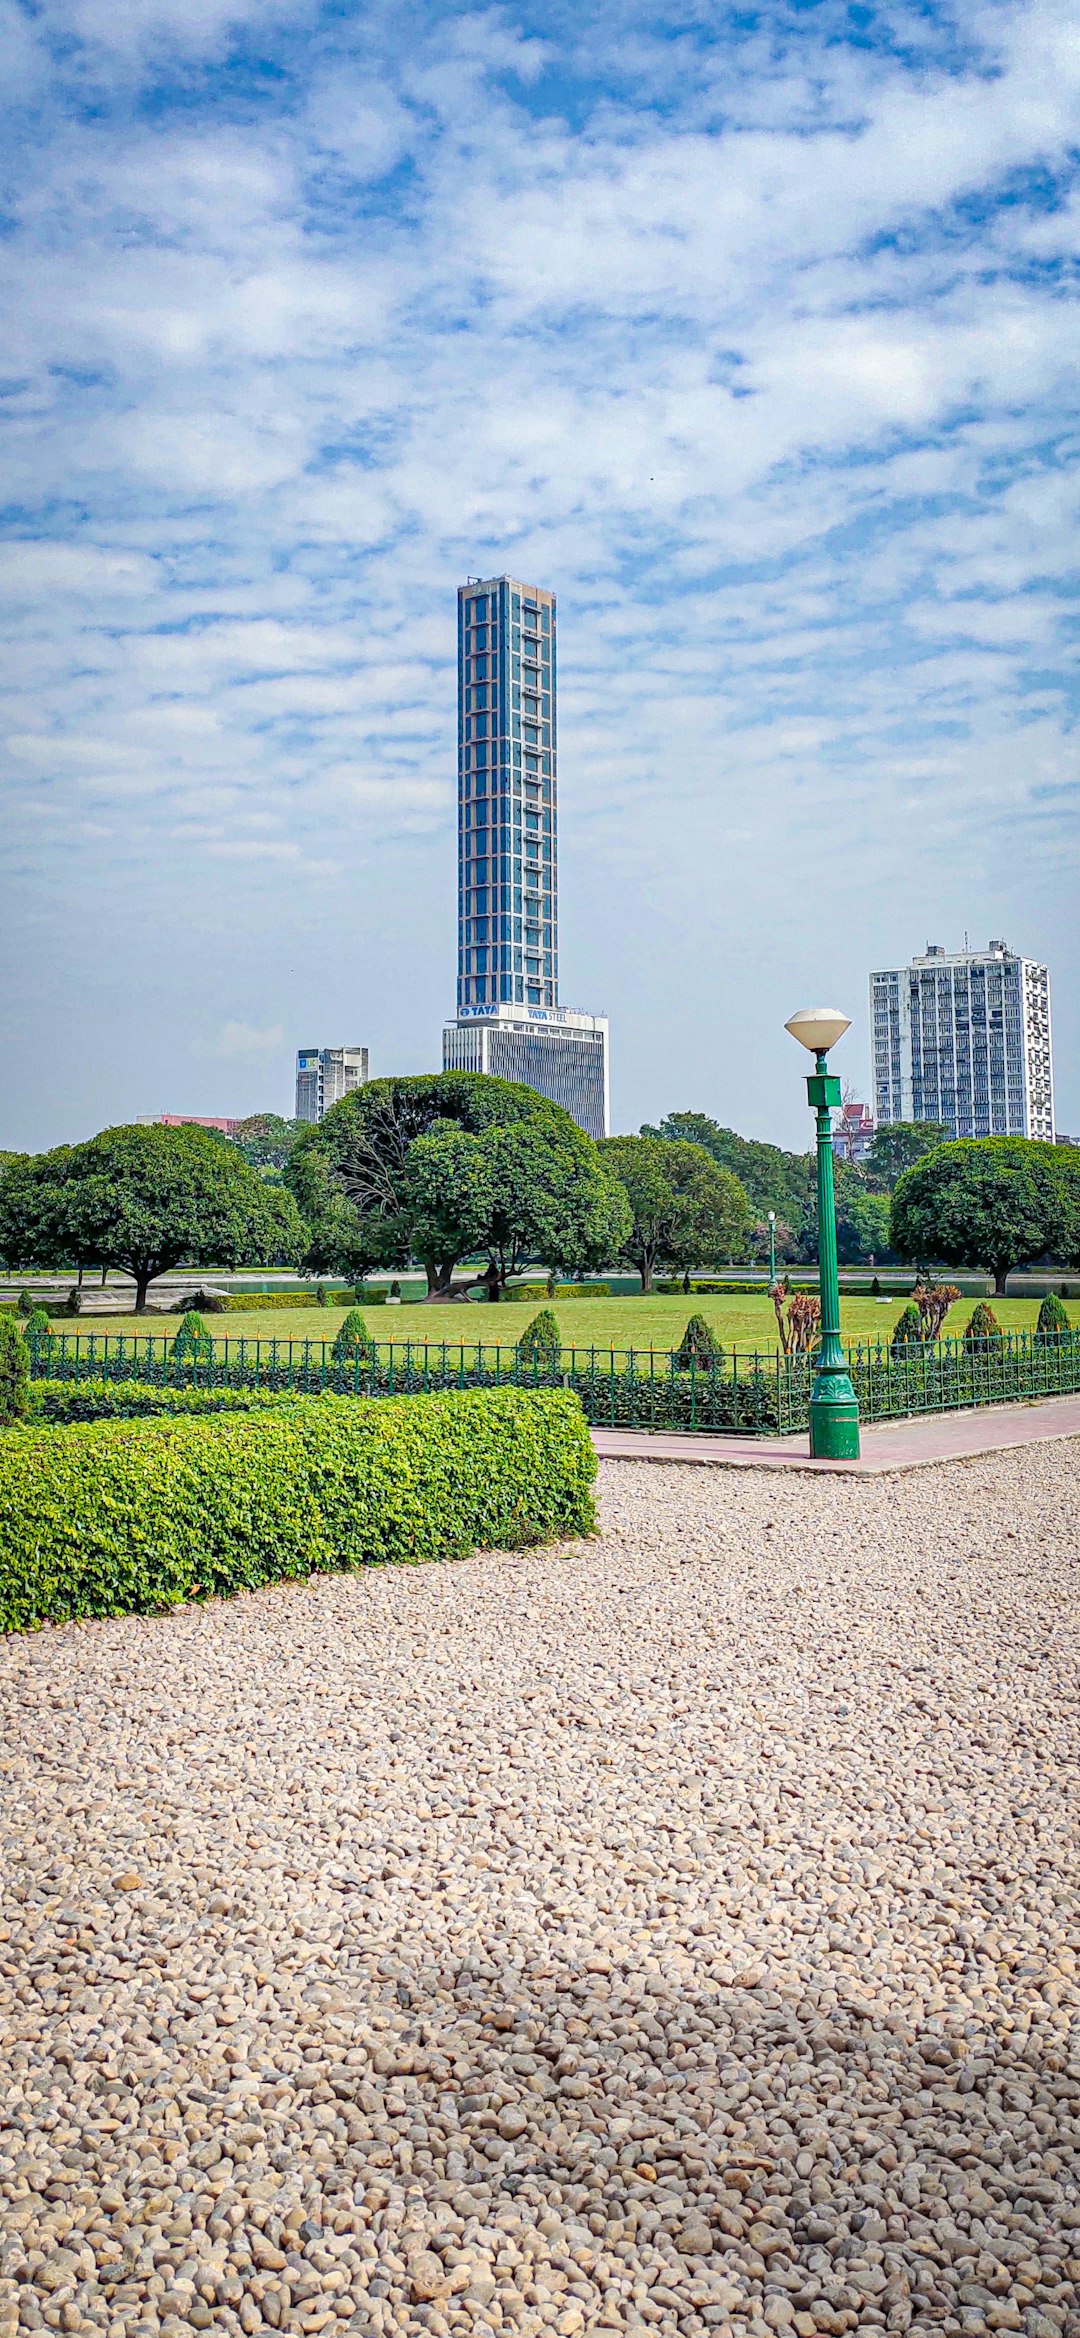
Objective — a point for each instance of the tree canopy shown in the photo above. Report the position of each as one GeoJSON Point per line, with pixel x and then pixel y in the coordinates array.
{"type": "Point", "coordinates": [144, 1200]}
{"type": "Point", "coordinates": [992, 1202]}
{"type": "Point", "coordinates": [771, 1178]}
{"type": "Point", "coordinates": [449, 1165]}
{"type": "Point", "coordinates": [266, 1140]}
{"type": "Point", "coordinates": [684, 1210]}
{"type": "Point", "coordinates": [897, 1145]}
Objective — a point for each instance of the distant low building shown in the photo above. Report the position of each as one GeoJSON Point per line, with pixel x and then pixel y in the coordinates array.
{"type": "Point", "coordinates": [189, 1120]}
{"type": "Point", "coordinates": [324, 1075]}
{"type": "Point", "coordinates": [963, 1037]}
{"type": "Point", "coordinates": [853, 1131]}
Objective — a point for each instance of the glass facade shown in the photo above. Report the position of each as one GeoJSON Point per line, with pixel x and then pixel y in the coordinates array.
{"type": "Point", "coordinates": [508, 936]}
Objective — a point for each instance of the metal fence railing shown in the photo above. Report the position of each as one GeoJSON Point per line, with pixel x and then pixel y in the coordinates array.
{"type": "Point", "coordinates": [745, 1391]}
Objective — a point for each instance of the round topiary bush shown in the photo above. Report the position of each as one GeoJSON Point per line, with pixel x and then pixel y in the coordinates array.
{"type": "Point", "coordinates": [14, 1373]}
{"type": "Point", "coordinates": [908, 1330]}
{"type": "Point", "coordinates": [1053, 1319]}
{"type": "Point", "coordinates": [541, 1341]}
{"type": "Point", "coordinates": [699, 1345]}
{"type": "Point", "coordinates": [352, 1340]}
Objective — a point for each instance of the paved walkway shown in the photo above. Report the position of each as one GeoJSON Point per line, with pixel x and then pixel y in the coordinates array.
{"type": "Point", "coordinates": [890, 1445]}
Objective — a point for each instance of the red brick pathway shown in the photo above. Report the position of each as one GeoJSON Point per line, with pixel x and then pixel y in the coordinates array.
{"type": "Point", "coordinates": [911, 1444]}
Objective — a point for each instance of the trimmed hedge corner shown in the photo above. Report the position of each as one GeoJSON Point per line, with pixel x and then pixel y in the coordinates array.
{"type": "Point", "coordinates": [106, 1518]}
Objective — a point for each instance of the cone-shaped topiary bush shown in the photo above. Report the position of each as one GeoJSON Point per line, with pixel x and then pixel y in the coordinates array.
{"type": "Point", "coordinates": [193, 1339]}
{"type": "Point", "coordinates": [908, 1330]}
{"type": "Point", "coordinates": [983, 1324]}
{"type": "Point", "coordinates": [541, 1341]}
{"type": "Point", "coordinates": [26, 1304]}
{"type": "Point", "coordinates": [1053, 1319]}
{"type": "Point", "coordinates": [352, 1340]}
{"type": "Point", "coordinates": [699, 1345]}
{"type": "Point", "coordinates": [37, 1324]}
{"type": "Point", "coordinates": [14, 1373]}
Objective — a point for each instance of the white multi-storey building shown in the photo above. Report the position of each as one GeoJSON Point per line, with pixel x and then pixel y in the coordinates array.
{"type": "Point", "coordinates": [963, 1037]}
{"type": "Point", "coordinates": [324, 1075]}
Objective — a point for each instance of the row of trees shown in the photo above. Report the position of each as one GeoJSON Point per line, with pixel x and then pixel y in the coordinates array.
{"type": "Point", "coordinates": [451, 1167]}
{"type": "Point", "coordinates": [441, 1169]}
{"type": "Point", "coordinates": [787, 1183]}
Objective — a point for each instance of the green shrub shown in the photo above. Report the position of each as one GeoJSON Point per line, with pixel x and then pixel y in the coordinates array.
{"type": "Point", "coordinates": [699, 1345]}
{"type": "Point", "coordinates": [352, 1340]}
{"type": "Point", "coordinates": [192, 1339]}
{"type": "Point", "coordinates": [140, 1400]}
{"type": "Point", "coordinates": [118, 1518]}
{"type": "Point", "coordinates": [532, 1291]}
{"type": "Point", "coordinates": [38, 1326]}
{"type": "Point", "coordinates": [25, 1302]}
{"type": "Point", "coordinates": [982, 1325]}
{"type": "Point", "coordinates": [908, 1330]}
{"type": "Point", "coordinates": [14, 1373]}
{"type": "Point", "coordinates": [583, 1290]}
{"type": "Point", "coordinates": [1052, 1320]}
{"type": "Point", "coordinates": [365, 1298]}
{"type": "Point", "coordinates": [541, 1340]}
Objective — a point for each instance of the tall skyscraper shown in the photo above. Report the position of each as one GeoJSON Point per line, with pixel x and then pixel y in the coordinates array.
{"type": "Point", "coordinates": [324, 1075]}
{"type": "Point", "coordinates": [509, 1021]}
{"type": "Point", "coordinates": [964, 1037]}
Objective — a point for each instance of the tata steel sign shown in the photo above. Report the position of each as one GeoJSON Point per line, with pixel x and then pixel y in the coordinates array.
{"type": "Point", "coordinates": [501, 1014]}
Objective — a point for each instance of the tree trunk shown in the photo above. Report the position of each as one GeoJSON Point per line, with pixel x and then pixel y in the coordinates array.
{"type": "Point", "coordinates": [82, 1271]}
{"type": "Point", "coordinates": [104, 1276]}
{"type": "Point", "coordinates": [645, 1271]}
{"type": "Point", "coordinates": [433, 1273]}
{"type": "Point", "coordinates": [1001, 1276]}
{"type": "Point", "coordinates": [686, 1283]}
{"type": "Point", "coordinates": [142, 1278]}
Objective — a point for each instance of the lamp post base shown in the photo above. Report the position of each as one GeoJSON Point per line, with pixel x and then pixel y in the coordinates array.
{"type": "Point", "coordinates": [834, 1421]}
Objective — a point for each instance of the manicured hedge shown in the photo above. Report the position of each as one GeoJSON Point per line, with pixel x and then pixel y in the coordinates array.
{"type": "Point", "coordinates": [139, 1400]}
{"type": "Point", "coordinates": [115, 1518]}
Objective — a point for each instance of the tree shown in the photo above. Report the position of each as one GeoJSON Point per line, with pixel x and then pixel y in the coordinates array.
{"type": "Point", "coordinates": [266, 1140]}
{"type": "Point", "coordinates": [684, 1211]}
{"type": "Point", "coordinates": [146, 1200]}
{"type": "Point", "coordinates": [397, 1207]}
{"type": "Point", "coordinates": [862, 1226]}
{"type": "Point", "coordinates": [898, 1145]}
{"type": "Point", "coordinates": [988, 1202]}
{"type": "Point", "coordinates": [550, 1198]}
{"type": "Point", "coordinates": [772, 1179]}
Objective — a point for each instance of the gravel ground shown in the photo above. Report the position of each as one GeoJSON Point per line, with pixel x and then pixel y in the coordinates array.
{"type": "Point", "coordinates": [667, 1932]}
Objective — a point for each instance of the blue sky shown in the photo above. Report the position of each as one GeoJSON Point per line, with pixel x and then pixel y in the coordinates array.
{"type": "Point", "coordinates": [754, 336]}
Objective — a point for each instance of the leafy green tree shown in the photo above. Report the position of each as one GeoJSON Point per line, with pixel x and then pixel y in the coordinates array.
{"type": "Point", "coordinates": [397, 1206]}
{"type": "Point", "coordinates": [862, 1227]}
{"type": "Point", "coordinates": [550, 1198]}
{"type": "Point", "coordinates": [266, 1140]}
{"type": "Point", "coordinates": [771, 1178]}
{"type": "Point", "coordinates": [14, 1373]}
{"type": "Point", "coordinates": [989, 1201]}
{"type": "Point", "coordinates": [897, 1146]}
{"type": "Point", "coordinates": [145, 1200]}
{"type": "Point", "coordinates": [684, 1210]}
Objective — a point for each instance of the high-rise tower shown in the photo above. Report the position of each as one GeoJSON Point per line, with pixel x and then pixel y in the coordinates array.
{"type": "Point", "coordinates": [963, 1037]}
{"type": "Point", "coordinates": [509, 1020]}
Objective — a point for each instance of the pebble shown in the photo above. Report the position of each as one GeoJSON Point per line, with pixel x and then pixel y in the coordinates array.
{"type": "Point", "coordinates": [673, 1932]}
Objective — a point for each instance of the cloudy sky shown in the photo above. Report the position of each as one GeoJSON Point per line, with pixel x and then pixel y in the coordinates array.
{"type": "Point", "coordinates": [754, 336]}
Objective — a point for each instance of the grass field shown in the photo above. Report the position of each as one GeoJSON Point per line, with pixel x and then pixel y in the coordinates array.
{"type": "Point", "coordinates": [656, 1323]}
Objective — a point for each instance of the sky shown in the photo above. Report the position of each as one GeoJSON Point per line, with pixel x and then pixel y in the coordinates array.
{"type": "Point", "coordinates": [752, 333]}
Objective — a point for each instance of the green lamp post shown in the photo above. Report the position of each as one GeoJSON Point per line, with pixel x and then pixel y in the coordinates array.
{"type": "Point", "coordinates": [834, 1408]}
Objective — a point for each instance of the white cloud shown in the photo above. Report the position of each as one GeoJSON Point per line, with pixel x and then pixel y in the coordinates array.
{"type": "Point", "coordinates": [736, 342]}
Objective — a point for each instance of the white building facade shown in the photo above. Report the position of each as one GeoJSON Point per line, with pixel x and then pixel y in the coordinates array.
{"type": "Point", "coordinates": [324, 1075]}
{"type": "Point", "coordinates": [964, 1037]}
{"type": "Point", "coordinates": [562, 1055]}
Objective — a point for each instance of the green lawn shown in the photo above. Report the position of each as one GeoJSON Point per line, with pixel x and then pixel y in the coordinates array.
{"type": "Point", "coordinates": [601, 1323]}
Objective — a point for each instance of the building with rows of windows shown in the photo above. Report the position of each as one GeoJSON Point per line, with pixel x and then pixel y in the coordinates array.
{"type": "Point", "coordinates": [509, 1021]}
{"type": "Point", "coordinates": [963, 1037]}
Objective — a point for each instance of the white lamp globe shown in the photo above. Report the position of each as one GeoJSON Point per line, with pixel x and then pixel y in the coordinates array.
{"type": "Point", "coordinates": [818, 1028]}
